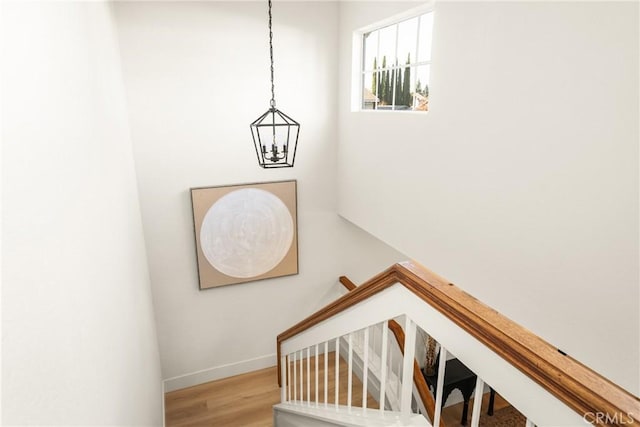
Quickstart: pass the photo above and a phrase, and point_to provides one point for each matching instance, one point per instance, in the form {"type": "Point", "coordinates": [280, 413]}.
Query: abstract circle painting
{"type": "Point", "coordinates": [246, 233]}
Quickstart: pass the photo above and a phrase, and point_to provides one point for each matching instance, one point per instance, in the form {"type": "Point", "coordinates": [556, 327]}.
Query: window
{"type": "Point", "coordinates": [396, 63]}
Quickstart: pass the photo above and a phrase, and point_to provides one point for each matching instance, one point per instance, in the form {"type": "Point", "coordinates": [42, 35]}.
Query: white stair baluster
{"type": "Point", "coordinates": [283, 379]}
{"type": "Point", "coordinates": [383, 364]}
{"type": "Point", "coordinates": [337, 384]}
{"type": "Point", "coordinates": [309, 376]}
{"type": "Point", "coordinates": [477, 403]}
{"type": "Point", "coordinates": [326, 373]}
{"type": "Point", "coordinates": [289, 377]}
{"type": "Point", "coordinates": [442, 364]}
{"type": "Point", "coordinates": [391, 368]}
{"type": "Point", "coordinates": [390, 356]}
{"type": "Point", "coordinates": [350, 371]}
{"type": "Point", "coordinates": [301, 376]}
{"type": "Point", "coordinates": [375, 336]}
{"type": "Point", "coordinates": [316, 375]}
{"type": "Point", "coordinates": [407, 369]}
{"type": "Point", "coordinates": [365, 369]}
{"type": "Point", "coordinates": [295, 376]}
{"type": "Point", "coordinates": [398, 376]}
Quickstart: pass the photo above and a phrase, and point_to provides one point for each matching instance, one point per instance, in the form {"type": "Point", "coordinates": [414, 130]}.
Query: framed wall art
{"type": "Point", "coordinates": [245, 232]}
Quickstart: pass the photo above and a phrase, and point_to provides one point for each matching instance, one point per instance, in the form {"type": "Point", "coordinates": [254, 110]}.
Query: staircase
{"type": "Point", "coordinates": [549, 387]}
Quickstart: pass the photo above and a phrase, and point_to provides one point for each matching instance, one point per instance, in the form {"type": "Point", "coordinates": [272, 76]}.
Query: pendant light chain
{"type": "Point", "coordinates": [273, 90]}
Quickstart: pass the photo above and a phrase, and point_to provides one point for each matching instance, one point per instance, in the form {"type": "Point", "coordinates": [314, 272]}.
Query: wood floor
{"type": "Point", "coordinates": [246, 400]}
{"type": "Point", "coordinates": [243, 400]}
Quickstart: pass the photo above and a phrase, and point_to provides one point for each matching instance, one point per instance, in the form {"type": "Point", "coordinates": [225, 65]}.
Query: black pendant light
{"type": "Point", "coordinates": [275, 135]}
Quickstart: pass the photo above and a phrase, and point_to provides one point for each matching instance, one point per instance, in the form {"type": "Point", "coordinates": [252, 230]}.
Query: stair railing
{"type": "Point", "coordinates": [548, 386]}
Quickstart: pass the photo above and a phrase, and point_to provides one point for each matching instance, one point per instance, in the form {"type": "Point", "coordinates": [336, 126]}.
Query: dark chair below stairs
{"type": "Point", "coordinates": [458, 376]}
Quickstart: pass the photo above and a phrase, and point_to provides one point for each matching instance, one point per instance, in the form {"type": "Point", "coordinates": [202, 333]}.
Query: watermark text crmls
{"type": "Point", "coordinates": [606, 418]}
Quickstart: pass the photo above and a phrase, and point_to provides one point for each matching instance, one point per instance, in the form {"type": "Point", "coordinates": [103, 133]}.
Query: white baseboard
{"type": "Point", "coordinates": [218, 372]}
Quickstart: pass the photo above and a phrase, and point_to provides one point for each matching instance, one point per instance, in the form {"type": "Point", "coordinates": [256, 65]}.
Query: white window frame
{"type": "Point", "coordinates": [357, 66]}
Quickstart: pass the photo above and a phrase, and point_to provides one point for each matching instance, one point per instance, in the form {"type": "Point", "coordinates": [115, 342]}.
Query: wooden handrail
{"type": "Point", "coordinates": [585, 391]}
{"type": "Point", "coordinates": [347, 283]}
{"type": "Point", "coordinates": [418, 379]}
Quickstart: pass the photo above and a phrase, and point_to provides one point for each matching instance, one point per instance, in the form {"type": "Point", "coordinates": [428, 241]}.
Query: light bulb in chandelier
{"type": "Point", "coordinates": [275, 134]}
{"type": "Point", "coordinates": [275, 155]}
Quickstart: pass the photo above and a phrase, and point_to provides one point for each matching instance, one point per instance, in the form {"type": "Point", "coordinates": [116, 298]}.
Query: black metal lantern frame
{"type": "Point", "coordinates": [275, 137]}
{"type": "Point", "coordinates": [275, 134]}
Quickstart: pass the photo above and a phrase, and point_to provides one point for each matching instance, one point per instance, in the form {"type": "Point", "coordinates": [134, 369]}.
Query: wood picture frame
{"type": "Point", "coordinates": [245, 232]}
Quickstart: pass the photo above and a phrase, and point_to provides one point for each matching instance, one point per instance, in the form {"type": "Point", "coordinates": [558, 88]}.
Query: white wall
{"type": "Point", "coordinates": [79, 343]}
{"type": "Point", "coordinates": [521, 183]}
{"type": "Point", "coordinates": [197, 74]}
